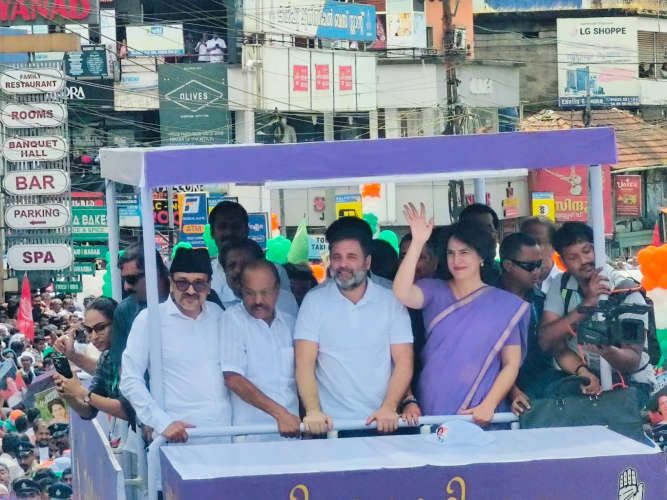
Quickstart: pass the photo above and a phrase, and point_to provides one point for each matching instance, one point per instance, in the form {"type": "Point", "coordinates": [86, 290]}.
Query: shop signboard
{"type": "Point", "coordinates": [161, 212]}
{"type": "Point", "coordinates": [90, 62]}
{"type": "Point", "coordinates": [48, 12]}
{"type": "Point", "coordinates": [84, 268]}
{"type": "Point", "coordinates": [32, 81]}
{"type": "Point", "coordinates": [598, 55]}
{"type": "Point", "coordinates": [36, 182]}
{"type": "Point", "coordinates": [317, 246]}
{"type": "Point", "coordinates": [258, 228]}
{"type": "Point", "coordinates": [68, 286]}
{"type": "Point", "coordinates": [628, 195]}
{"type": "Point", "coordinates": [98, 94]}
{"type": "Point", "coordinates": [194, 107]}
{"type": "Point", "coordinates": [155, 40]}
{"type": "Point", "coordinates": [89, 224]}
{"type": "Point", "coordinates": [348, 205]}
{"type": "Point", "coordinates": [544, 206]}
{"type": "Point", "coordinates": [89, 252]}
{"type": "Point", "coordinates": [33, 115]}
{"type": "Point", "coordinates": [35, 257]}
{"type": "Point", "coordinates": [321, 19]}
{"type": "Point", "coordinates": [42, 216]}
{"type": "Point", "coordinates": [129, 212]}
{"type": "Point", "coordinates": [194, 216]}
{"type": "Point", "coordinates": [35, 148]}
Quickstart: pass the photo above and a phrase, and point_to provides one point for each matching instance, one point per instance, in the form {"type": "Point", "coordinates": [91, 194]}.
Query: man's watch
{"type": "Point", "coordinates": [86, 400]}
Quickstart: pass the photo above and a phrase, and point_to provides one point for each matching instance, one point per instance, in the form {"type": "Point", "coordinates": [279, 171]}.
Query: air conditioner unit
{"type": "Point", "coordinates": [460, 40]}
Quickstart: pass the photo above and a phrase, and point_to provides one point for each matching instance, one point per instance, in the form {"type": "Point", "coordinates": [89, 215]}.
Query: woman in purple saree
{"type": "Point", "coordinates": [475, 333]}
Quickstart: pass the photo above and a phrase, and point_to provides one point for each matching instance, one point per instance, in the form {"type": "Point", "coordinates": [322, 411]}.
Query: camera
{"type": "Point", "coordinates": [605, 326]}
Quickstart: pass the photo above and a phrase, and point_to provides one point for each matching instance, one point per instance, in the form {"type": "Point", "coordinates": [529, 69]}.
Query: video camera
{"type": "Point", "coordinates": [605, 326]}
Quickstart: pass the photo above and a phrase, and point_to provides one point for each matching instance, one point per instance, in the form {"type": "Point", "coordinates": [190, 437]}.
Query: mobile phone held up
{"type": "Point", "coordinates": [62, 366]}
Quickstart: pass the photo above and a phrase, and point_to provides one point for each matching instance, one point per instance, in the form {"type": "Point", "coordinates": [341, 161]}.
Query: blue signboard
{"type": "Point", "coordinates": [347, 21]}
{"type": "Point", "coordinates": [194, 218]}
{"type": "Point", "coordinates": [258, 228]}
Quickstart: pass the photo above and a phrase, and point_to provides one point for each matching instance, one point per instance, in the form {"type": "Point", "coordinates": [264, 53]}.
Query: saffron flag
{"type": "Point", "coordinates": [656, 235]}
{"type": "Point", "coordinates": [24, 321]}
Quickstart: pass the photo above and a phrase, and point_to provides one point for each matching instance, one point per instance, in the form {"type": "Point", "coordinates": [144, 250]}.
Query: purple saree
{"type": "Point", "coordinates": [464, 338]}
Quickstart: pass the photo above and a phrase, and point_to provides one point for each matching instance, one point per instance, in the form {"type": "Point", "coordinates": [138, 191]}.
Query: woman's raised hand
{"type": "Point", "coordinates": [420, 227]}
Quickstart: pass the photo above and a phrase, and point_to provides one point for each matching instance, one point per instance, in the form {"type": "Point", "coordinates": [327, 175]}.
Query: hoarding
{"type": "Point", "coordinates": [194, 108]}
{"type": "Point", "coordinates": [348, 205]}
{"type": "Point", "coordinates": [91, 62]}
{"type": "Point", "coordinates": [258, 228]}
{"type": "Point", "coordinates": [308, 18]}
{"type": "Point", "coordinates": [628, 195]}
{"type": "Point", "coordinates": [48, 12]}
{"type": "Point", "coordinates": [89, 224]}
{"type": "Point", "coordinates": [155, 40]}
{"type": "Point", "coordinates": [490, 6]}
{"type": "Point", "coordinates": [406, 30]}
{"type": "Point", "coordinates": [599, 54]}
{"type": "Point", "coordinates": [194, 217]}
{"type": "Point", "coordinates": [98, 93]}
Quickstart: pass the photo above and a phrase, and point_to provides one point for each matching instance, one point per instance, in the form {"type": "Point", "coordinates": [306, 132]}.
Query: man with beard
{"type": "Point", "coordinates": [258, 354]}
{"type": "Point", "coordinates": [42, 438]}
{"type": "Point", "coordinates": [349, 334]}
{"type": "Point", "coordinates": [234, 256]}
{"type": "Point", "coordinates": [565, 308]}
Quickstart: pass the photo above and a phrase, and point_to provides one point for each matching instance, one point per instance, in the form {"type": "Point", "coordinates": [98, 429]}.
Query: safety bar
{"type": "Point", "coordinates": [339, 425]}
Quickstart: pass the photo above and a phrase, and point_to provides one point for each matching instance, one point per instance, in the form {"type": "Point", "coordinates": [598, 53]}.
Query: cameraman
{"type": "Point", "coordinates": [582, 286]}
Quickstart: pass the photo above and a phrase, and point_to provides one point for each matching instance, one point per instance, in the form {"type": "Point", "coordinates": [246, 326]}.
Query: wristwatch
{"type": "Point", "coordinates": [86, 400]}
{"type": "Point", "coordinates": [406, 402]}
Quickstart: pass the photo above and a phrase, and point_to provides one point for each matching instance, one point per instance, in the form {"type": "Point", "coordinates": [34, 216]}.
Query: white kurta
{"type": "Point", "coordinates": [262, 354]}
{"type": "Point", "coordinates": [194, 390]}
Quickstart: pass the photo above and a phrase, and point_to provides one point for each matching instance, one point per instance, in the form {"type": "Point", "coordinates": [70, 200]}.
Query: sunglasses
{"type": "Point", "coordinates": [132, 279]}
{"type": "Point", "coordinates": [98, 328]}
{"type": "Point", "coordinates": [528, 266]}
{"type": "Point", "coordinates": [184, 285]}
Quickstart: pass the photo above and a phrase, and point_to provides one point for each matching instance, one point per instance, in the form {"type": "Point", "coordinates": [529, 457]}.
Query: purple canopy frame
{"type": "Point", "coordinates": [149, 168]}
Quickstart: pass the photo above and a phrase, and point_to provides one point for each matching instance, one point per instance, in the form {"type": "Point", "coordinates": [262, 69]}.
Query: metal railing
{"type": "Point", "coordinates": [424, 425]}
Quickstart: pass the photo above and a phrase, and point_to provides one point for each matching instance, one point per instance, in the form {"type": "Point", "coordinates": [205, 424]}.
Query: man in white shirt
{"type": "Point", "coordinates": [543, 230]}
{"type": "Point", "coordinates": [194, 393]}
{"type": "Point", "coordinates": [236, 255]}
{"type": "Point", "coordinates": [200, 48]}
{"type": "Point", "coordinates": [353, 340]}
{"type": "Point", "coordinates": [216, 48]}
{"type": "Point", "coordinates": [258, 354]}
{"type": "Point", "coordinates": [229, 221]}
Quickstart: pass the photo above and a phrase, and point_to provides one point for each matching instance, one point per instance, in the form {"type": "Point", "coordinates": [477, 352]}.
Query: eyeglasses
{"type": "Point", "coordinates": [132, 279]}
{"type": "Point", "coordinates": [99, 327]}
{"type": "Point", "coordinates": [184, 285]}
{"type": "Point", "coordinates": [528, 266]}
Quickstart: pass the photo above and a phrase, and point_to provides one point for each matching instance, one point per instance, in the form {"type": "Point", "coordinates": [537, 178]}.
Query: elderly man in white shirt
{"type": "Point", "coordinates": [258, 355]}
{"type": "Point", "coordinates": [353, 340]}
{"type": "Point", "coordinates": [235, 255]}
{"type": "Point", "coordinates": [194, 393]}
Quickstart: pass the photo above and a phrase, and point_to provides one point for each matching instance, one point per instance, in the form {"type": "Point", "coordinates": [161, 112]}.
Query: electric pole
{"type": "Point", "coordinates": [449, 52]}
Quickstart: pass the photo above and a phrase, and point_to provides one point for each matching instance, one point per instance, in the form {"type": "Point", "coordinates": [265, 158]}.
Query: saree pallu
{"type": "Point", "coordinates": [464, 339]}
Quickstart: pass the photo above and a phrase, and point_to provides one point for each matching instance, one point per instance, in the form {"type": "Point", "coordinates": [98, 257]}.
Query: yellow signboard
{"type": "Point", "coordinates": [544, 205]}
{"type": "Point", "coordinates": [348, 205]}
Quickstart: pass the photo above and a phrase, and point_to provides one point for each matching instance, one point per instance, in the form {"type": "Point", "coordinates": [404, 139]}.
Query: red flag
{"type": "Point", "coordinates": [656, 235]}
{"type": "Point", "coordinates": [24, 321]}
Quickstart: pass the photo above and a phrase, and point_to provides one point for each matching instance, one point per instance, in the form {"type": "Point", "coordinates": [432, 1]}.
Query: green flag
{"type": "Point", "coordinates": [298, 252]}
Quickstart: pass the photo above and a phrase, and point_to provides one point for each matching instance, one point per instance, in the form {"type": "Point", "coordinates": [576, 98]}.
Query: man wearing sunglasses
{"type": "Point", "coordinates": [521, 264]}
{"type": "Point", "coordinates": [194, 391]}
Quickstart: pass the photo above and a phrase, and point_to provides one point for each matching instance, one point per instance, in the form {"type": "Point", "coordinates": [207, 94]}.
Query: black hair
{"type": "Point", "coordinates": [245, 244]}
{"type": "Point", "coordinates": [570, 234]}
{"type": "Point", "coordinates": [350, 228]}
{"type": "Point", "coordinates": [539, 221]}
{"type": "Point", "coordinates": [262, 264]}
{"type": "Point", "coordinates": [37, 421]}
{"type": "Point", "coordinates": [512, 245]}
{"type": "Point", "coordinates": [479, 209]}
{"type": "Point", "coordinates": [433, 244]}
{"type": "Point", "coordinates": [384, 260]}
{"type": "Point", "coordinates": [480, 241]}
{"type": "Point", "coordinates": [135, 252]}
{"type": "Point", "coordinates": [299, 272]}
{"type": "Point", "coordinates": [17, 346]}
{"type": "Point", "coordinates": [10, 443]}
{"type": "Point", "coordinates": [227, 207]}
{"type": "Point", "coordinates": [45, 483]}
{"type": "Point", "coordinates": [32, 414]}
{"type": "Point", "coordinates": [21, 424]}
{"type": "Point", "coordinates": [55, 401]}
{"type": "Point", "coordinates": [105, 305]}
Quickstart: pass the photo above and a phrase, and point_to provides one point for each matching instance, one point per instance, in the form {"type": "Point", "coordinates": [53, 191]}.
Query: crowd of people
{"type": "Point", "coordinates": [456, 323]}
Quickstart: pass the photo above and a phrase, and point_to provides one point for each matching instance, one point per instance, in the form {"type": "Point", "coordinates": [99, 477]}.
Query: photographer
{"type": "Point", "coordinates": [568, 305]}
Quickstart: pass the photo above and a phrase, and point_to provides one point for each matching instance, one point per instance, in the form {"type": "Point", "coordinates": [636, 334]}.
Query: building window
{"type": "Point", "coordinates": [429, 37]}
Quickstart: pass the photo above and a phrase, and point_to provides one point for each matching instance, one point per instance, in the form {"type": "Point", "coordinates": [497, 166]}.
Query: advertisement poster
{"type": "Point", "coordinates": [322, 77]}
{"type": "Point", "coordinates": [194, 109]}
{"type": "Point", "coordinates": [600, 53]}
{"type": "Point", "coordinates": [345, 77]}
{"type": "Point", "coordinates": [544, 206]}
{"type": "Point", "coordinates": [194, 217]}
{"type": "Point", "coordinates": [90, 224]}
{"type": "Point", "coordinates": [300, 78]}
{"type": "Point", "coordinates": [628, 195]}
{"type": "Point", "coordinates": [156, 40]}
{"type": "Point", "coordinates": [348, 205]}
{"type": "Point", "coordinates": [258, 228]}
{"type": "Point", "coordinates": [569, 186]}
